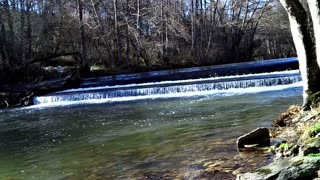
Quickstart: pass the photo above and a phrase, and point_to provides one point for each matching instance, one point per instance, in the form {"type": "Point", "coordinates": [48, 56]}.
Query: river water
{"type": "Point", "coordinates": [125, 138]}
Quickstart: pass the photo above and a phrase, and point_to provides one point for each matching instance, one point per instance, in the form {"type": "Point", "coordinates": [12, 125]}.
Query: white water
{"type": "Point", "coordinates": [293, 72]}
{"type": "Point", "coordinates": [227, 92]}
{"type": "Point", "coordinates": [196, 87]}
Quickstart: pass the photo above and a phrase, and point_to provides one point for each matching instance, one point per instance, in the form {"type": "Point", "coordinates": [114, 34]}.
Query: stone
{"type": "Point", "coordinates": [295, 150]}
{"type": "Point", "coordinates": [312, 148]}
{"type": "Point", "coordinates": [279, 154]}
{"type": "Point", "coordinates": [259, 137]}
{"type": "Point", "coordinates": [287, 153]}
{"type": "Point", "coordinates": [193, 174]}
{"type": "Point", "coordinates": [288, 168]}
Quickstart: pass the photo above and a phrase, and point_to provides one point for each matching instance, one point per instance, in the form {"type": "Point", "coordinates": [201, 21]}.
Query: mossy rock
{"type": "Point", "coordinates": [311, 147]}
{"type": "Point", "coordinates": [298, 162]}
{"type": "Point", "coordinates": [314, 130]}
{"type": "Point", "coordinates": [264, 171]}
{"type": "Point", "coordinates": [294, 149]}
{"type": "Point", "coordinates": [313, 98]}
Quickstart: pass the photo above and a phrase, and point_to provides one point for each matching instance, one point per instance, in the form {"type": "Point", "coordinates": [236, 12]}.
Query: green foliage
{"type": "Point", "coordinates": [314, 130]}
{"type": "Point", "coordinates": [314, 155]}
{"type": "Point", "coordinates": [284, 146]}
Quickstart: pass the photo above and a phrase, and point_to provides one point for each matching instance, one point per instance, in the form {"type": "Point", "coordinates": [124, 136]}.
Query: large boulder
{"type": "Point", "coordinates": [259, 137]}
{"type": "Point", "coordinates": [289, 168]}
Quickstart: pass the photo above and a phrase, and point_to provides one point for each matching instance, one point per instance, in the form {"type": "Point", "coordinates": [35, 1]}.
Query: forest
{"type": "Point", "coordinates": [123, 36]}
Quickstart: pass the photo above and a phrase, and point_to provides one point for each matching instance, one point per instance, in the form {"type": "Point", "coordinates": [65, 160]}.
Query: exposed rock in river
{"type": "Point", "coordinates": [259, 137]}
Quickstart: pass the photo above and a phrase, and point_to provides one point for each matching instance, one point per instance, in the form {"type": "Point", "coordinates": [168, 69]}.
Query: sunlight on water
{"type": "Point", "coordinates": [122, 132]}
{"type": "Point", "coordinates": [124, 139]}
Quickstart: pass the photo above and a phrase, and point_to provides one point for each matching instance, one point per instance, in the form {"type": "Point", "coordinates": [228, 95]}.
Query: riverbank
{"type": "Point", "coordinates": [298, 156]}
{"type": "Point", "coordinates": [21, 94]}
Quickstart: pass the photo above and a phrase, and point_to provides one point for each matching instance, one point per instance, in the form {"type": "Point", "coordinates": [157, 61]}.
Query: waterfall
{"type": "Point", "coordinates": [173, 87]}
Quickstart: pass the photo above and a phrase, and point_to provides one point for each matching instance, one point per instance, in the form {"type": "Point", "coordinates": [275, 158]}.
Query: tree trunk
{"type": "Point", "coordinates": [192, 27]}
{"type": "Point", "coordinates": [314, 6]}
{"type": "Point", "coordinates": [3, 39]}
{"type": "Point", "coordinates": [10, 42]}
{"type": "Point", "coordinates": [82, 33]}
{"type": "Point", "coordinates": [116, 30]}
{"type": "Point", "coordinates": [127, 31]}
{"type": "Point", "coordinates": [303, 36]}
{"type": "Point", "coordinates": [138, 31]}
{"type": "Point", "coordinates": [29, 32]}
{"type": "Point", "coordinates": [22, 38]}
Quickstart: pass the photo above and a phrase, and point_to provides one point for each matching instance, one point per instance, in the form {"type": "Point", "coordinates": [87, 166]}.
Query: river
{"type": "Point", "coordinates": [128, 136]}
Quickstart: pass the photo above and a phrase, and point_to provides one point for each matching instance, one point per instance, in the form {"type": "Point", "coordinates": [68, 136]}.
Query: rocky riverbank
{"type": "Point", "coordinates": [298, 156]}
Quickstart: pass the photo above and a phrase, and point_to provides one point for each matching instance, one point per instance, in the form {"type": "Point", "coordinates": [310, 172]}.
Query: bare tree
{"type": "Point", "coordinates": [305, 24]}
{"type": "Point", "coordinates": [150, 34]}
{"type": "Point", "coordinates": [82, 32]}
{"type": "Point", "coordinates": [11, 40]}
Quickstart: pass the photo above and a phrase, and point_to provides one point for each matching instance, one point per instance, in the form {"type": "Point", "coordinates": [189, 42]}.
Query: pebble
{"type": "Point", "coordinates": [279, 154]}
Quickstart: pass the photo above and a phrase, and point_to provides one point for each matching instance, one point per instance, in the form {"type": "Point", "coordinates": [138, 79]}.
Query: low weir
{"type": "Point", "coordinates": [253, 67]}
{"type": "Point", "coordinates": [216, 84]}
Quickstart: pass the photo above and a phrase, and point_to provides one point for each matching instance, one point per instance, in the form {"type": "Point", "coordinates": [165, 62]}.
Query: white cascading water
{"type": "Point", "coordinates": [172, 88]}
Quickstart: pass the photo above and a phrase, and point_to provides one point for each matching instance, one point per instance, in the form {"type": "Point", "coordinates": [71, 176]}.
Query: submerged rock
{"type": "Point", "coordinates": [259, 137]}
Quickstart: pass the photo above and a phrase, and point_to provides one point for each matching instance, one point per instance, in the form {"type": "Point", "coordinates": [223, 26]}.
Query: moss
{"type": "Point", "coordinates": [314, 130]}
{"type": "Point", "coordinates": [264, 148]}
{"type": "Point", "coordinates": [314, 155]}
{"type": "Point", "coordinates": [284, 146]}
{"type": "Point", "coordinates": [313, 98]}
{"type": "Point", "coordinates": [263, 171]}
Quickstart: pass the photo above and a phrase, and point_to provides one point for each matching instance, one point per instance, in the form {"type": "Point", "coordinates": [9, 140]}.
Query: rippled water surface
{"type": "Point", "coordinates": [124, 139]}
